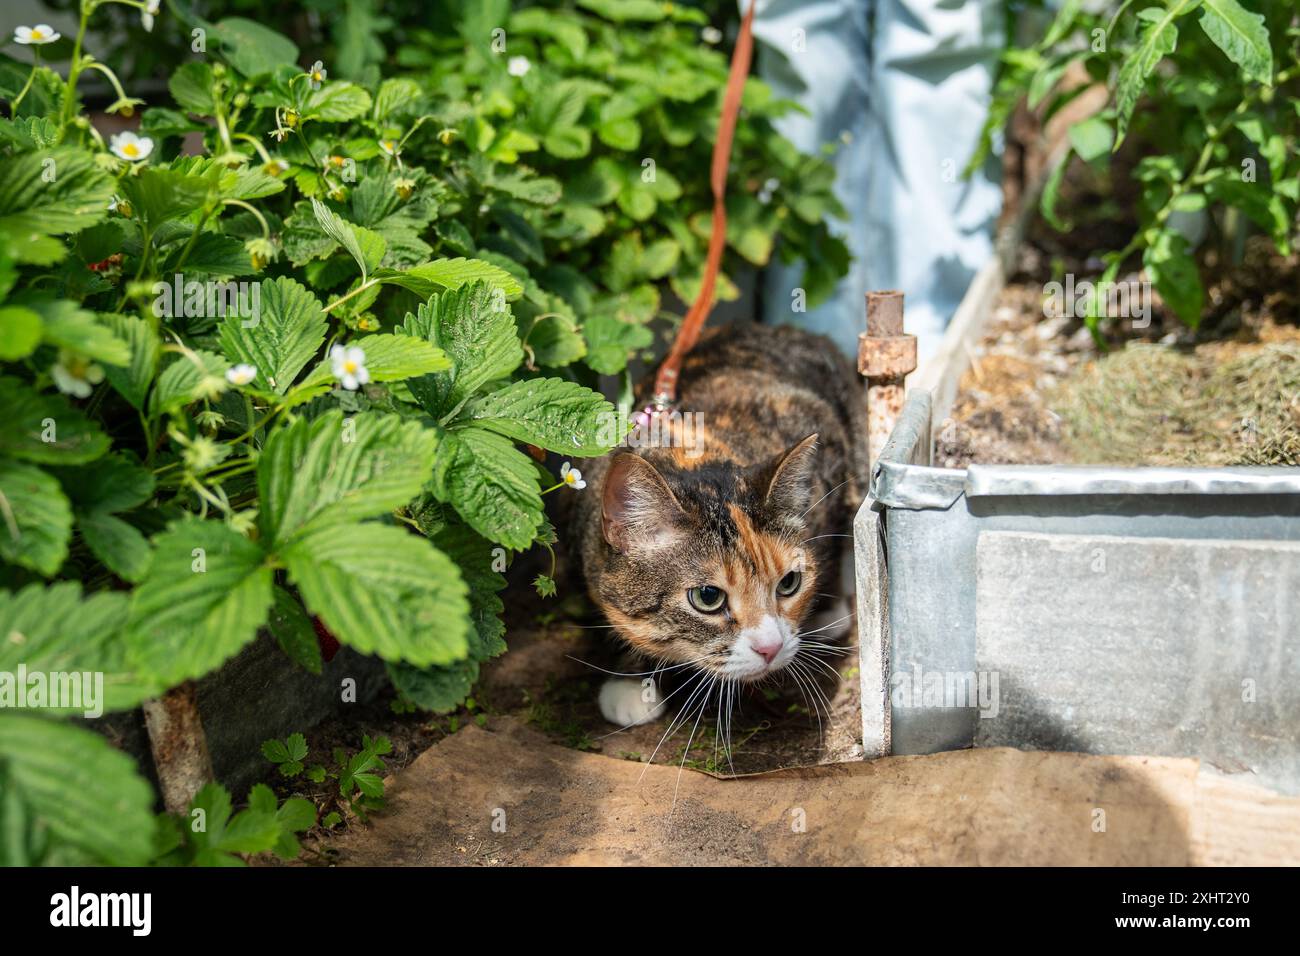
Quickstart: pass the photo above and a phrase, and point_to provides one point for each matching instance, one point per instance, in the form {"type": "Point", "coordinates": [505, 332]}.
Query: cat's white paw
{"type": "Point", "coordinates": [627, 702]}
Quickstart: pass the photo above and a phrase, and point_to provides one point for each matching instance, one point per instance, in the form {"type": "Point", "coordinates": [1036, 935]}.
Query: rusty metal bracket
{"type": "Point", "coordinates": [886, 354]}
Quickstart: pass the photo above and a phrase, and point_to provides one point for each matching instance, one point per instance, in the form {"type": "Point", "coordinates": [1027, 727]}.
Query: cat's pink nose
{"type": "Point", "coordinates": [766, 648]}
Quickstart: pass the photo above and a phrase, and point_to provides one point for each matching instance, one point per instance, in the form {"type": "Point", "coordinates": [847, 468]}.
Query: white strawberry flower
{"type": "Point", "coordinates": [572, 477]}
{"type": "Point", "coordinates": [38, 35]}
{"type": "Point", "coordinates": [711, 35]}
{"type": "Point", "coordinates": [389, 146]}
{"type": "Point", "coordinates": [349, 366]}
{"type": "Point", "coordinates": [317, 74]}
{"type": "Point", "coordinates": [518, 66]}
{"type": "Point", "coordinates": [241, 374]}
{"type": "Point", "coordinates": [150, 11]}
{"type": "Point", "coordinates": [75, 376]}
{"type": "Point", "coordinates": [127, 145]}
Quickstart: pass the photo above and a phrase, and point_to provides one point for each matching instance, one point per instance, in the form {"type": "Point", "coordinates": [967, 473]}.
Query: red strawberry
{"type": "Point", "coordinates": [110, 263]}
{"type": "Point", "coordinates": [329, 644]}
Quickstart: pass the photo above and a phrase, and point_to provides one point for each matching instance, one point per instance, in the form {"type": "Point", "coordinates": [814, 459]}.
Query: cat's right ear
{"type": "Point", "coordinates": [638, 509]}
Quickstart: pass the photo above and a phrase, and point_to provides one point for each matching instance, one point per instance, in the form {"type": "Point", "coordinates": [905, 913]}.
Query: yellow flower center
{"type": "Point", "coordinates": [131, 150]}
{"type": "Point", "coordinates": [38, 34]}
{"type": "Point", "coordinates": [316, 77]}
{"type": "Point", "coordinates": [350, 367]}
{"type": "Point", "coordinates": [570, 478]}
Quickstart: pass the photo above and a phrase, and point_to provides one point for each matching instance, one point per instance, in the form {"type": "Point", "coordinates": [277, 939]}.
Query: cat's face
{"type": "Point", "coordinates": [713, 569]}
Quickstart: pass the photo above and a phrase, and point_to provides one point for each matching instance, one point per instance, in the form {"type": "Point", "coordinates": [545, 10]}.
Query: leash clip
{"type": "Point", "coordinates": [661, 404]}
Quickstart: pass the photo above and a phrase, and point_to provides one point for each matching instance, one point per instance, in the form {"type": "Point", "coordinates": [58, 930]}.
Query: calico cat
{"type": "Point", "coordinates": [716, 561]}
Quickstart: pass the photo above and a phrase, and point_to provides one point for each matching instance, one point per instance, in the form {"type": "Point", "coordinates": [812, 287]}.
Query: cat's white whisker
{"type": "Point", "coordinates": [824, 497]}
{"type": "Point", "coordinates": [824, 666]}
{"type": "Point", "coordinates": [817, 686]}
{"type": "Point", "coordinates": [794, 674]}
{"type": "Point", "coordinates": [814, 647]}
{"type": "Point", "coordinates": [731, 703]}
{"type": "Point", "coordinates": [821, 693]}
{"type": "Point", "coordinates": [820, 536]}
{"type": "Point", "coordinates": [657, 670]}
{"type": "Point", "coordinates": [802, 678]}
{"type": "Point", "coordinates": [686, 752]}
{"type": "Point", "coordinates": [718, 721]}
{"type": "Point", "coordinates": [824, 627]}
{"type": "Point", "coordinates": [672, 726]}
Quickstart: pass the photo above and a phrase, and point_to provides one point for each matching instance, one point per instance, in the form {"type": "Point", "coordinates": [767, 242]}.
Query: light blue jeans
{"type": "Point", "coordinates": [902, 88]}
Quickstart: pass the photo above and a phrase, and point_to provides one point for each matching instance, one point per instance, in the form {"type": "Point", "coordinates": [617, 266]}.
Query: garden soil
{"type": "Point", "coordinates": [548, 682]}
{"type": "Point", "coordinates": [503, 794]}
{"type": "Point", "coordinates": [1040, 390]}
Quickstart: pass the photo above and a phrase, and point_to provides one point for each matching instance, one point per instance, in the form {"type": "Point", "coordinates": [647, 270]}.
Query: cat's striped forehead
{"type": "Point", "coordinates": [757, 552]}
{"type": "Point", "coordinates": [751, 567]}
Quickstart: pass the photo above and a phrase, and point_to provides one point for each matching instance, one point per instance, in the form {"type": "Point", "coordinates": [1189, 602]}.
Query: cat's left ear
{"type": "Point", "coordinates": [789, 491]}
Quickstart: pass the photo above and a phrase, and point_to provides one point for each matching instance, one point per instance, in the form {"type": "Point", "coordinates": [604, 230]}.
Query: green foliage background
{"type": "Point", "coordinates": [1210, 92]}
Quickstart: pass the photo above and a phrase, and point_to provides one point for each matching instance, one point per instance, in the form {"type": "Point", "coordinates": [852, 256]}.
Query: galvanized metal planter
{"type": "Point", "coordinates": [1104, 610]}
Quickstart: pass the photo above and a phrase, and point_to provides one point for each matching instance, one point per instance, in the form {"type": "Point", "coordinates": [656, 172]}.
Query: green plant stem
{"type": "Point", "coordinates": [1194, 177]}
{"type": "Point", "coordinates": [146, 236]}
{"type": "Point", "coordinates": [193, 240]}
{"type": "Point", "coordinates": [355, 292]}
{"type": "Point", "coordinates": [148, 433]}
{"type": "Point", "coordinates": [261, 220]}
{"type": "Point", "coordinates": [36, 65]}
{"type": "Point", "coordinates": [254, 428]}
{"type": "Point", "coordinates": [236, 467]}
{"type": "Point", "coordinates": [74, 68]}
{"type": "Point", "coordinates": [112, 77]}
{"type": "Point", "coordinates": [307, 146]}
{"type": "Point", "coordinates": [222, 129]}
{"type": "Point", "coordinates": [261, 150]}
{"type": "Point", "coordinates": [1110, 28]}
{"type": "Point", "coordinates": [207, 496]}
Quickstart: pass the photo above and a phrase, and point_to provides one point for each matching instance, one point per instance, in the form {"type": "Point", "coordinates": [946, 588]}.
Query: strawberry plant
{"type": "Point", "coordinates": [248, 391]}
{"type": "Point", "coordinates": [359, 776]}
{"type": "Point", "coordinates": [619, 101]}
{"type": "Point", "coordinates": [212, 834]}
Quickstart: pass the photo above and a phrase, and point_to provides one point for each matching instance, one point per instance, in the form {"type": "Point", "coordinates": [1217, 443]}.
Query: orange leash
{"type": "Point", "coordinates": [666, 380]}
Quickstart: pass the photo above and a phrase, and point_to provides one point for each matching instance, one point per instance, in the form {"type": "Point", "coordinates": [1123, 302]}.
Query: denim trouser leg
{"type": "Point", "coordinates": [903, 85]}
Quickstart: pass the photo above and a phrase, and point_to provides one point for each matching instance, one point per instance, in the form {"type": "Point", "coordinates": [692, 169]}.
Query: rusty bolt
{"type": "Point", "coordinates": [885, 355]}
{"type": "Point", "coordinates": [885, 351]}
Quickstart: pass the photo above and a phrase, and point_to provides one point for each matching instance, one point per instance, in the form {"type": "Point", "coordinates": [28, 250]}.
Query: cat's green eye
{"type": "Point", "coordinates": [707, 599]}
{"type": "Point", "coordinates": [789, 584]}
